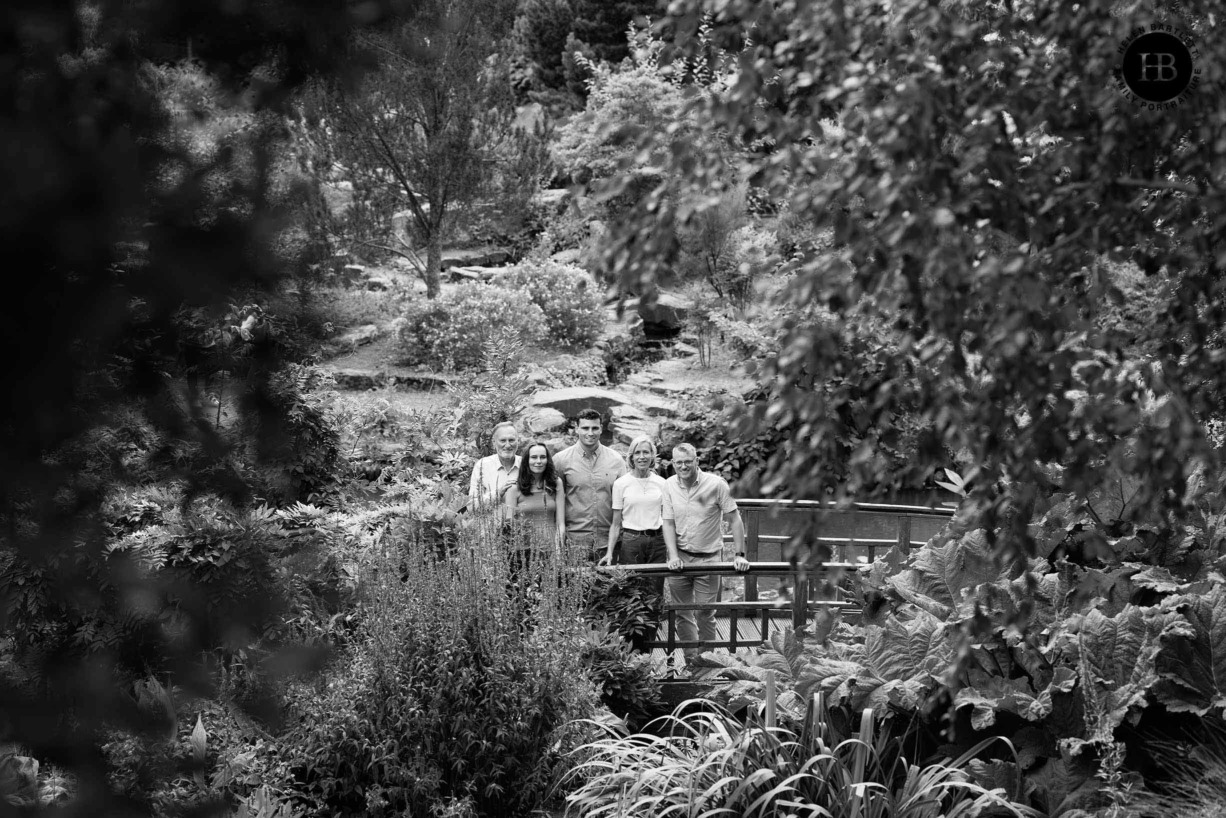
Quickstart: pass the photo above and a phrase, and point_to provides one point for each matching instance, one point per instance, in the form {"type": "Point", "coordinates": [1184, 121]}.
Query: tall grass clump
{"type": "Point", "coordinates": [706, 763]}
{"type": "Point", "coordinates": [1193, 780]}
{"type": "Point", "coordinates": [463, 692]}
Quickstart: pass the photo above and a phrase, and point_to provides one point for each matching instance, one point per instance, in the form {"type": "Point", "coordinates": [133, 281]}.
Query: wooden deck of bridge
{"type": "Point", "coordinates": [749, 632]}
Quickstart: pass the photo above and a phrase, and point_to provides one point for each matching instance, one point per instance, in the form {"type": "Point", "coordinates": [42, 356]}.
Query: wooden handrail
{"type": "Point", "coordinates": [728, 569]}
{"type": "Point", "coordinates": [833, 506]}
{"type": "Point", "coordinates": [799, 607]}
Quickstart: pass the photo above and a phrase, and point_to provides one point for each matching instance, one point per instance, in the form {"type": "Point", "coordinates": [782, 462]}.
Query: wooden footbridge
{"type": "Point", "coordinates": [853, 536]}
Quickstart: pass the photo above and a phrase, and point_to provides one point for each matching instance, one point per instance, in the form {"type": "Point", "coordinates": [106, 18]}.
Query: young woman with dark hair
{"type": "Point", "coordinates": [536, 498]}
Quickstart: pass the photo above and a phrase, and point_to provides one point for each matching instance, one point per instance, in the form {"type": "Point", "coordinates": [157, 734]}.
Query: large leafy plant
{"type": "Point", "coordinates": [1064, 657]}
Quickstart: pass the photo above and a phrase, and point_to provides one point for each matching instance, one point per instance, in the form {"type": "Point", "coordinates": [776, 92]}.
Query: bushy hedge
{"type": "Point", "coordinates": [449, 331]}
{"type": "Point", "coordinates": [565, 294]}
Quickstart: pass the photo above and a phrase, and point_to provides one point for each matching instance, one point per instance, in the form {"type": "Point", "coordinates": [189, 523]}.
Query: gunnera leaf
{"type": "Point", "coordinates": [1118, 665]}
{"type": "Point", "coordinates": [989, 695]}
{"type": "Point", "coordinates": [1192, 665]}
{"type": "Point", "coordinates": [943, 575]}
{"type": "Point", "coordinates": [908, 649]}
{"type": "Point", "coordinates": [1156, 578]}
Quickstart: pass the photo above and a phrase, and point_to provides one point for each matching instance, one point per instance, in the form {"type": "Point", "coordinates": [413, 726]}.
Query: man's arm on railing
{"type": "Point", "coordinates": [670, 544]}
{"type": "Point", "coordinates": [733, 518]}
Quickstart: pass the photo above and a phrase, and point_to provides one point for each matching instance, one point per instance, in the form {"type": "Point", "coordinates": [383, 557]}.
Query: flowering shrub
{"type": "Point", "coordinates": [565, 294]}
{"type": "Point", "coordinates": [449, 331]}
{"type": "Point", "coordinates": [464, 690]}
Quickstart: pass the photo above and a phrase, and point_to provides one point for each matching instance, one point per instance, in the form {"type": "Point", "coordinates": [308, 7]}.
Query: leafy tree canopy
{"type": "Point", "coordinates": [985, 193]}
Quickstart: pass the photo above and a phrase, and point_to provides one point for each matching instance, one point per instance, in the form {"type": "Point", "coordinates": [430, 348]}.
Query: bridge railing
{"type": "Point", "coordinates": [856, 535]}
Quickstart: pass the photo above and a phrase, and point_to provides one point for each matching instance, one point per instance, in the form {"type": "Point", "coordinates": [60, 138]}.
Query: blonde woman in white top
{"type": "Point", "coordinates": [640, 500]}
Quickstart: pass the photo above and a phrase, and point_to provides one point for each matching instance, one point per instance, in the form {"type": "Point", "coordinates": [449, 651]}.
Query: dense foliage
{"type": "Point", "coordinates": [150, 208]}
{"type": "Point", "coordinates": [1098, 648]}
{"type": "Point", "coordinates": [463, 681]}
{"type": "Point", "coordinates": [972, 184]}
{"type": "Point", "coordinates": [450, 332]}
{"type": "Point", "coordinates": [937, 235]}
{"type": "Point", "coordinates": [549, 33]}
{"type": "Point", "coordinates": [569, 298]}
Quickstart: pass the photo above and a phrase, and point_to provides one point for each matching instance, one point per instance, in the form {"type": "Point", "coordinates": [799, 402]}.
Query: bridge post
{"type": "Point", "coordinates": [800, 602]}
{"type": "Point", "coordinates": [904, 533]}
{"type": "Point", "coordinates": [752, 527]}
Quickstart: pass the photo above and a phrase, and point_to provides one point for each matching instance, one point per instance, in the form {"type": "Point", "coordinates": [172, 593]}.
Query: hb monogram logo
{"type": "Point", "coordinates": [1157, 67]}
{"type": "Point", "coordinates": [1162, 65]}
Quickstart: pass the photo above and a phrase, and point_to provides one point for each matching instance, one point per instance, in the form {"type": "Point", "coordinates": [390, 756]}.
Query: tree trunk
{"type": "Point", "coordinates": [434, 264]}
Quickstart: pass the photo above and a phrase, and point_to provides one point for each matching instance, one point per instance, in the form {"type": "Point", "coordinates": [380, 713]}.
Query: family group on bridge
{"type": "Point", "coordinates": [586, 497]}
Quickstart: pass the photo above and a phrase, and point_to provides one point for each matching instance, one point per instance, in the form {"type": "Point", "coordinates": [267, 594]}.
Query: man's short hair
{"type": "Point", "coordinates": [497, 426]}
{"type": "Point", "coordinates": [685, 448]}
{"type": "Point", "coordinates": [589, 414]}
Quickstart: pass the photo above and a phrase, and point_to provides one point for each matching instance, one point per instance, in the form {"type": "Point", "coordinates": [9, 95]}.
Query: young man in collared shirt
{"type": "Point", "coordinates": [589, 469]}
{"type": "Point", "coordinates": [494, 473]}
{"type": "Point", "coordinates": [699, 502]}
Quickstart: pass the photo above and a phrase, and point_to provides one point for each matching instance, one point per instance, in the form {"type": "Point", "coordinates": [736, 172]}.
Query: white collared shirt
{"type": "Point", "coordinates": [489, 479]}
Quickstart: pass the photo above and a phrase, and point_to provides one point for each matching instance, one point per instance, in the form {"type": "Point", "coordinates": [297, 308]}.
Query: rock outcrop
{"type": "Point", "coordinates": [358, 337]}
{"type": "Point", "coordinates": [476, 257]}
{"type": "Point", "coordinates": [474, 273]}
{"type": "Point", "coordinates": [664, 317]}
{"type": "Point", "coordinates": [543, 421]}
{"type": "Point", "coordinates": [628, 415]}
{"type": "Point", "coordinates": [571, 400]}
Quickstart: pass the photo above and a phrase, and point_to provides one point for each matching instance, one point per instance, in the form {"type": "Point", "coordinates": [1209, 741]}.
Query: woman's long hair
{"type": "Point", "coordinates": [525, 481]}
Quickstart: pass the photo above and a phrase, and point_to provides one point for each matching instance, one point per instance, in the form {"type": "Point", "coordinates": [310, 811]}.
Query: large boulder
{"type": "Point", "coordinates": [358, 336]}
{"type": "Point", "coordinates": [628, 422]}
{"type": "Point", "coordinates": [652, 403]}
{"type": "Point", "coordinates": [475, 257]}
{"type": "Point", "coordinates": [543, 421]}
{"type": "Point", "coordinates": [571, 400]}
{"type": "Point", "coordinates": [664, 316]}
{"type": "Point", "coordinates": [628, 415]}
{"type": "Point", "coordinates": [474, 273]}
{"type": "Point", "coordinates": [551, 200]}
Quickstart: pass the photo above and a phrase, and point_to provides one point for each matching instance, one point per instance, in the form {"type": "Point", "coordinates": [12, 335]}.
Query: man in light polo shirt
{"type": "Point", "coordinates": [699, 502]}
{"type": "Point", "coordinates": [494, 473]}
{"type": "Point", "coordinates": [589, 469]}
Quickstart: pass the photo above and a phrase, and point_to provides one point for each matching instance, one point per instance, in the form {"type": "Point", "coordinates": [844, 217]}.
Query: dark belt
{"type": "Point", "coordinates": [699, 553]}
{"type": "Point", "coordinates": [651, 532]}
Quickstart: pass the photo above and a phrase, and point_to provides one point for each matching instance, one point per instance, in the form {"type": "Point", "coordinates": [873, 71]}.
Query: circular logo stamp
{"type": "Point", "coordinates": [1157, 67]}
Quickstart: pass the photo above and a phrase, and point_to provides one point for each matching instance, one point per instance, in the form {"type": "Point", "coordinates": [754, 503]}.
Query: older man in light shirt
{"type": "Point", "coordinates": [494, 473]}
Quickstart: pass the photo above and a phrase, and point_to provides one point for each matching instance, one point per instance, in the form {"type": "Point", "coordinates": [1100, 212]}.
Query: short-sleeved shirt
{"type": "Point", "coordinates": [589, 488]}
{"type": "Point", "coordinates": [489, 479]}
{"type": "Point", "coordinates": [698, 512]}
{"type": "Point", "coordinates": [642, 501]}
